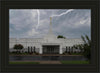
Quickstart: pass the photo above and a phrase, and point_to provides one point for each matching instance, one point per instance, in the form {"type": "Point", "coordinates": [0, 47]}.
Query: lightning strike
{"type": "Point", "coordinates": [70, 10]}
{"type": "Point", "coordinates": [84, 21]}
{"type": "Point", "coordinates": [38, 12]}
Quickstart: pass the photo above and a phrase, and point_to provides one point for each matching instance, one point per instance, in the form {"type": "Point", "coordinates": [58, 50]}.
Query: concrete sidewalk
{"type": "Point", "coordinates": [50, 62]}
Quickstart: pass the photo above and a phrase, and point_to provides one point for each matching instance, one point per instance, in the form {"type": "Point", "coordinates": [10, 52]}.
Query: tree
{"type": "Point", "coordinates": [18, 47]}
{"type": "Point", "coordinates": [85, 47]}
{"type": "Point", "coordinates": [60, 36]}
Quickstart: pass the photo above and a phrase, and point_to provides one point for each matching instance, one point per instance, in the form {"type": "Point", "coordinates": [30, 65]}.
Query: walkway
{"type": "Point", "coordinates": [49, 62]}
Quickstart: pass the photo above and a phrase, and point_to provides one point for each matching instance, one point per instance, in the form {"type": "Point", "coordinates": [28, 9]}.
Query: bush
{"type": "Point", "coordinates": [18, 47]}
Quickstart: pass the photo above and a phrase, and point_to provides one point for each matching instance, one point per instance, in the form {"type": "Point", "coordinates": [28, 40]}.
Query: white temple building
{"type": "Point", "coordinates": [49, 44]}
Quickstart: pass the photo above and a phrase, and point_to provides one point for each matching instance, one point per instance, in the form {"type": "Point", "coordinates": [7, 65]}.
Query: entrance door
{"type": "Point", "coordinates": [50, 49]}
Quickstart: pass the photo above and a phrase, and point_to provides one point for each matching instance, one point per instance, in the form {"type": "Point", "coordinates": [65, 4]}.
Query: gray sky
{"type": "Point", "coordinates": [34, 23]}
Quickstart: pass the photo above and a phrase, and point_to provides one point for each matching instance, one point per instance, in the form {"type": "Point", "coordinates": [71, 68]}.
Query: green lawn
{"type": "Point", "coordinates": [23, 62]}
{"type": "Point", "coordinates": [74, 62]}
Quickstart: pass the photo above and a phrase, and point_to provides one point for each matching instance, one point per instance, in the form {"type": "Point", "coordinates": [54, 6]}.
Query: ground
{"type": "Point", "coordinates": [49, 62]}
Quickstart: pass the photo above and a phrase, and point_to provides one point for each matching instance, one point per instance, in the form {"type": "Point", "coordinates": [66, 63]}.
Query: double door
{"type": "Point", "coordinates": [50, 49]}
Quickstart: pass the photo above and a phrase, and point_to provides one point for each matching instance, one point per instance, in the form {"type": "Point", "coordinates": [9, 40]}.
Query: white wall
{"type": "Point", "coordinates": [38, 41]}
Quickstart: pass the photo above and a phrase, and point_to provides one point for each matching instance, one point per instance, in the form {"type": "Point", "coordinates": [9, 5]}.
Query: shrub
{"type": "Point", "coordinates": [18, 47]}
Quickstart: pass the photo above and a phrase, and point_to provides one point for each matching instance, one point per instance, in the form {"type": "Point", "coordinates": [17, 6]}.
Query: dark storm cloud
{"type": "Point", "coordinates": [23, 22]}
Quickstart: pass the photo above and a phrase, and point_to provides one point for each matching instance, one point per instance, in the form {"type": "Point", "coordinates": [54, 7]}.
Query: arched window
{"type": "Point", "coordinates": [31, 47]}
{"type": "Point", "coordinates": [34, 48]}
{"type": "Point", "coordinates": [28, 47]}
{"type": "Point", "coordinates": [66, 48]}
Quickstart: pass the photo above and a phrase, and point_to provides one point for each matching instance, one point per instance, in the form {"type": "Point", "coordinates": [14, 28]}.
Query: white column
{"type": "Point", "coordinates": [40, 50]}
{"type": "Point", "coordinates": [60, 50]}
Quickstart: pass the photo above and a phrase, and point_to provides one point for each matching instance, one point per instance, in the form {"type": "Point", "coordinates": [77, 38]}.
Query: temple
{"type": "Point", "coordinates": [49, 44]}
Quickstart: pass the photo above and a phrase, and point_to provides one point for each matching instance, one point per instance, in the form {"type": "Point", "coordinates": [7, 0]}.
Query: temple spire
{"type": "Point", "coordinates": [50, 29]}
{"type": "Point", "coordinates": [50, 34]}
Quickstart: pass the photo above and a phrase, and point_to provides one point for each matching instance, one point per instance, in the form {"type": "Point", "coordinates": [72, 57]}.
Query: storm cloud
{"type": "Point", "coordinates": [23, 23]}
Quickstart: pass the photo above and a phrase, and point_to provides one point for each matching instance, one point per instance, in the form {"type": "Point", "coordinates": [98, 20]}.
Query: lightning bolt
{"type": "Point", "coordinates": [38, 12]}
{"type": "Point", "coordinates": [70, 10]}
{"type": "Point", "coordinates": [83, 21]}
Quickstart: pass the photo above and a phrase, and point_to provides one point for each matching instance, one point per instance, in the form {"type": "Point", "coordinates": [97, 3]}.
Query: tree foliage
{"type": "Point", "coordinates": [60, 36]}
{"type": "Point", "coordinates": [18, 47]}
{"type": "Point", "coordinates": [85, 48]}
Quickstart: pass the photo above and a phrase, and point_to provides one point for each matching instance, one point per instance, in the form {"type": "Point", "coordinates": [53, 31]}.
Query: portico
{"type": "Point", "coordinates": [50, 49]}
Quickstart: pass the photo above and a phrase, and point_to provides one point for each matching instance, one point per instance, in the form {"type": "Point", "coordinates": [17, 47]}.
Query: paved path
{"type": "Point", "coordinates": [50, 62]}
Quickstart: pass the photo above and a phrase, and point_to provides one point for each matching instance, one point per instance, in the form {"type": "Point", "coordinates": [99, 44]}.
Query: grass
{"type": "Point", "coordinates": [23, 62]}
{"type": "Point", "coordinates": [74, 62]}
